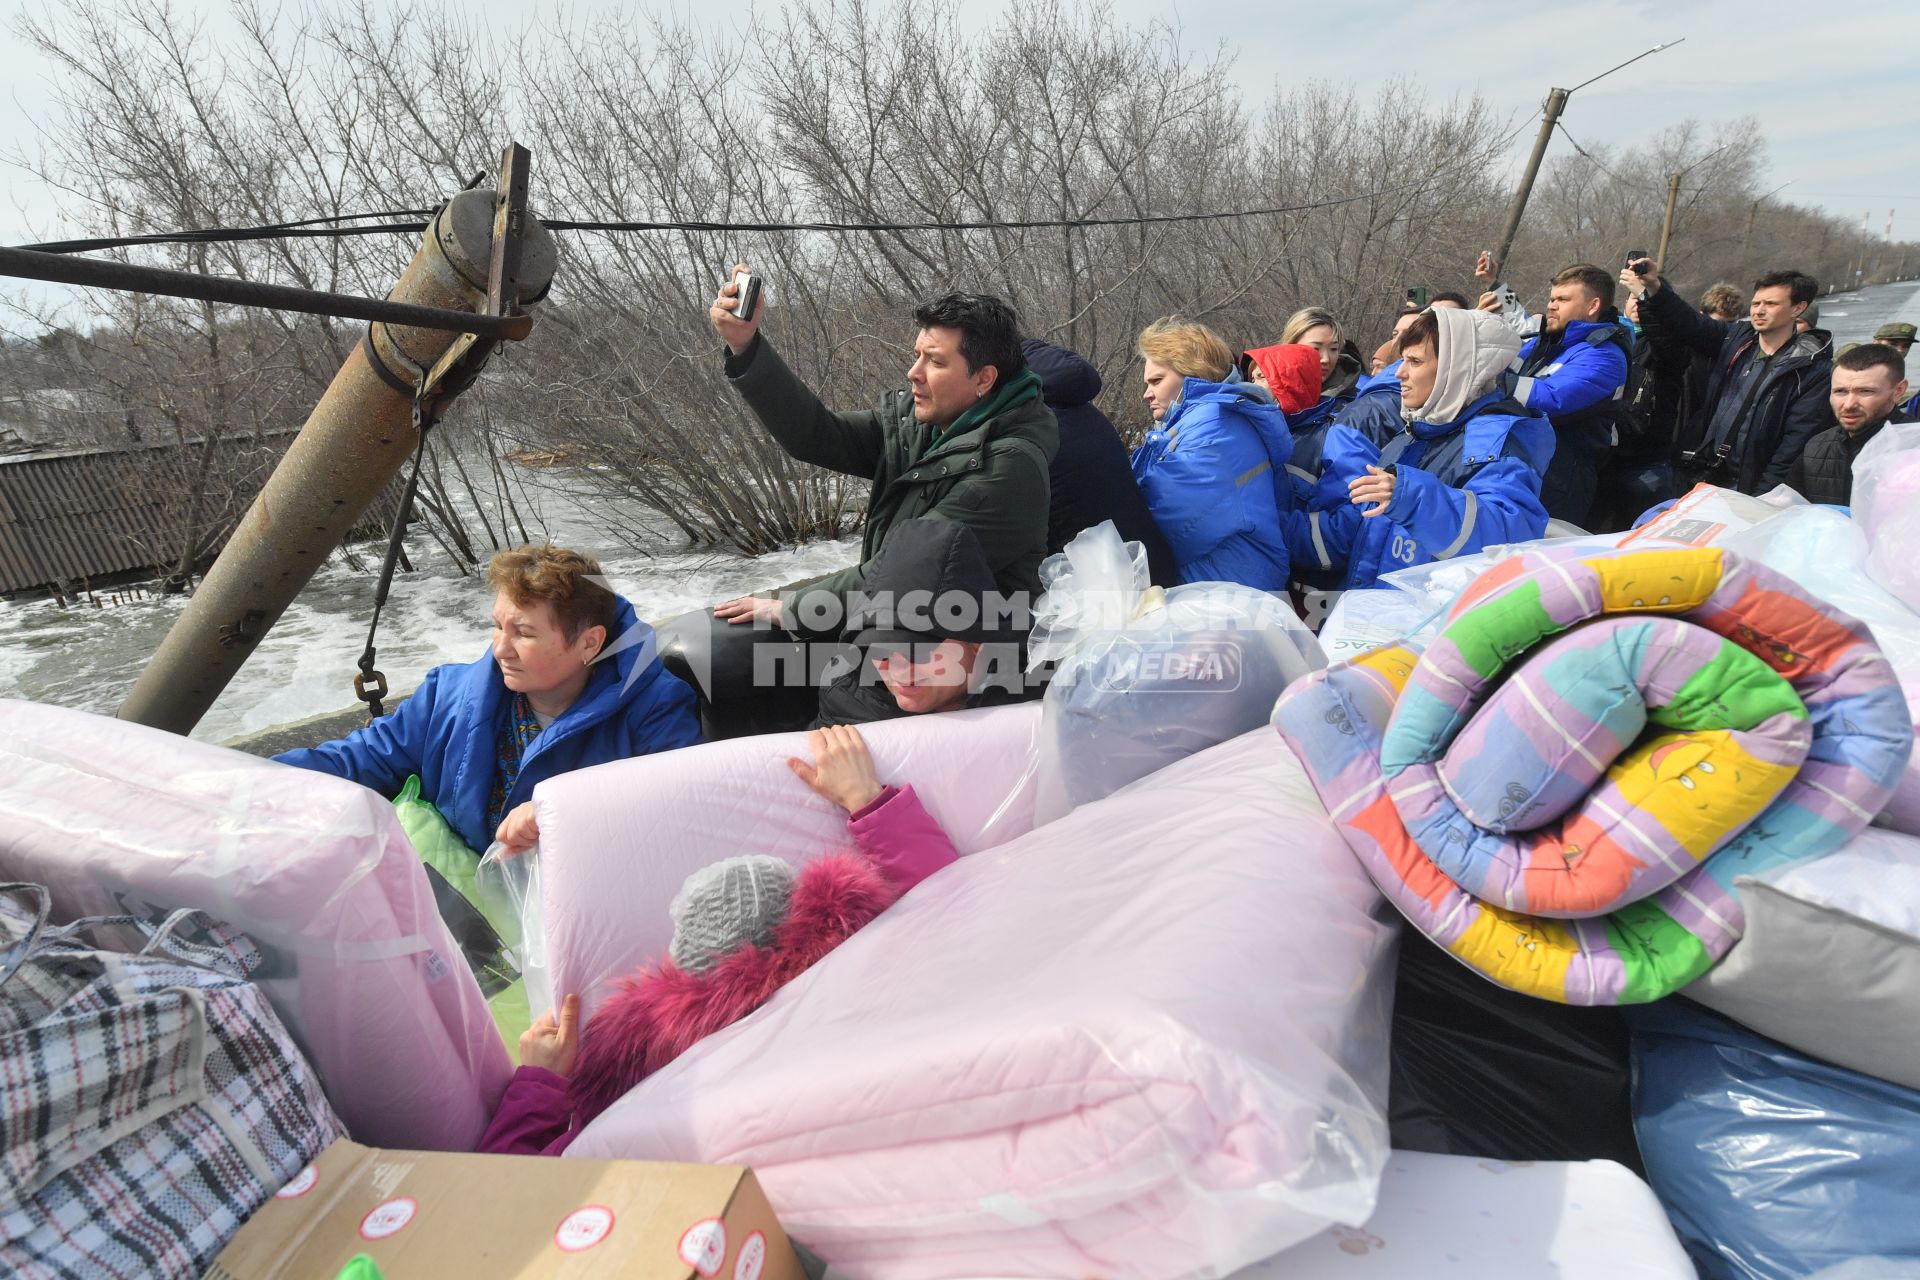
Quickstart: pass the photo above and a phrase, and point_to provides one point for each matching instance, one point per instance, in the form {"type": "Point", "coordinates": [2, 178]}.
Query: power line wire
{"type": "Point", "coordinates": [308, 229]}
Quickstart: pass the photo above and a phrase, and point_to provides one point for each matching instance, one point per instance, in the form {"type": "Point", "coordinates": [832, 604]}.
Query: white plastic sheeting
{"type": "Point", "coordinates": [1148, 1039]}
{"type": "Point", "coordinates": [118, 818]}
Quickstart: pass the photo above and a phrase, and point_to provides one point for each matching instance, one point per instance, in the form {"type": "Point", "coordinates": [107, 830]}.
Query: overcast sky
{"type": "Point", "coordinates": [1839, 99]}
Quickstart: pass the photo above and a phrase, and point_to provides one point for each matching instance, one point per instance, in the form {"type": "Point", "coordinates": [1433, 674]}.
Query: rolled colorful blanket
{"type": "Point", "coordinates": [1561, 788]}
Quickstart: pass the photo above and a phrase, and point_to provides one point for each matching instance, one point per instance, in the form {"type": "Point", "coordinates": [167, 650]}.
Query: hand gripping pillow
{"type": "Point", "coordinates": [1146, 1040]}
{"type": "Point", "coordinates": [618, 840]}
{"type": "Point", "coordinates": [1561, 788]}
{"type": "Point", "coordinates": [119, 818]}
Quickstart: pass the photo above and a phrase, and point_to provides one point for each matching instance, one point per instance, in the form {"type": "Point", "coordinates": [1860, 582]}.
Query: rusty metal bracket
{"type": "Point", "coordinates": [464, 358]}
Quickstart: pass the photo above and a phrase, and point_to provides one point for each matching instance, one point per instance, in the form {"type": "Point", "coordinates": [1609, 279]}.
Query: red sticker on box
{"type": "Point", "coordinates": [584, 1228]}
{"type": "Point", "coordinates": [753, 1258]}
{"type": "Point", "coordinates": [303, 1182]}
{"type": "Point", "coordinates": [704, 1246]}
{"type": "Point", "coordinates": [387, 1219]}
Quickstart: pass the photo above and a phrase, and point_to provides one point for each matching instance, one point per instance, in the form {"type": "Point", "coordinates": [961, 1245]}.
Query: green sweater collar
{"type": "Point", "coordinates": [1015, 393]}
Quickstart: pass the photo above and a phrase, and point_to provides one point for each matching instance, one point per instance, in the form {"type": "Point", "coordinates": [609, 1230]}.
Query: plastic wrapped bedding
{"type": "Point", "coordinates": [618, 840]}
{"type": "Point", "coordinates": [1143, 677]}
{"type": "Point", "coordinates": [1886, 502]}
{"type": "Point", "coordinates": [1561, 788]}
{"type": "Point", "coordinates": [119, 818]}
{"type": "Point", "coordinates": [1773, 1165]}
{"type": "Point", "coordinates": [1145, 1040]}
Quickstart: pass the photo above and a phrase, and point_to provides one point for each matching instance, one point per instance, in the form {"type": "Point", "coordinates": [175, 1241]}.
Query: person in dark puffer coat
{"type": "Point", "coordinates": [1869, 382]}
{"type": "Point", "coordinates": [1091, 477]}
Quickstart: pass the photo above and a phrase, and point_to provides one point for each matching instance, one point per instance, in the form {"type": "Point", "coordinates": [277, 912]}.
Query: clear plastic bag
{"type": "Point", "coordinates": [1145, 677]}
{"type": "Point", "coordinates": [1773, 1166]}
{"type": "Point", "coordinates": [1886, 503]}
{"type": "Point", "coordinates": [509, 886]}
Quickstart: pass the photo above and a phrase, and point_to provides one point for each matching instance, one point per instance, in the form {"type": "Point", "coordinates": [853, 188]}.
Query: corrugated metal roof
{"type": "Point", "coordinates": [74, 516]}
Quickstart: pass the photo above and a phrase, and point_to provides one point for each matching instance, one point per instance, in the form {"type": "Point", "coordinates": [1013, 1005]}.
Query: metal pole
{"type": "Point", "coordinates": [1666, 224]}
{"type": "Point", "coordinates": [358, 437]}
{"type": "Point", "coordinates": [1556, 103]}
{"type": "Point", "coordinates": [104, 273]}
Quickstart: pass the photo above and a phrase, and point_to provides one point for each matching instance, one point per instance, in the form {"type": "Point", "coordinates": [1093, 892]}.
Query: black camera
{"type": "Point", "coordinates": [1637, 262]}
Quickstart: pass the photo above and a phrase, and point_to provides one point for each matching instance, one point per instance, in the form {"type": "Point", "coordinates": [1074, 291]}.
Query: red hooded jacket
{"type": "Point", "coordinates": [1293, 375]}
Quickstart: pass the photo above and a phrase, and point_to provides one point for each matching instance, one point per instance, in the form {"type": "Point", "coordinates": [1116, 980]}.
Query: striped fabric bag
{"type": "Point", "coordinates": [149, 1102]}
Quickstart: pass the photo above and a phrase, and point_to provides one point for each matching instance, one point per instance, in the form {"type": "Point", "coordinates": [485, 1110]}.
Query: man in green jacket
{"type": "Point", "coordinates": [969, 440]}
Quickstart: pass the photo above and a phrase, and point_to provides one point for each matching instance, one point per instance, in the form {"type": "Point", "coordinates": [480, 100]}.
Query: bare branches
{"type": "Point", "coordinates": [863, 110]}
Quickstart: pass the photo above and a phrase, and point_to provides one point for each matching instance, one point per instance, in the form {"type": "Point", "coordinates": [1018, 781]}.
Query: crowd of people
{"type": "Point", "coordinates": [1286, 467]}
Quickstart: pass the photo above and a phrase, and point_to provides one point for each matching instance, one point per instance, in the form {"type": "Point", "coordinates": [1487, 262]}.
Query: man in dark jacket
{"type": "Point", "coordinates": [1767, 394]}
{"type": "Point", "coordinates": [1091, 477]}
{"type": "Point", "coordinates": [929, 632]}
{"type": "Point", "coordinates": [1869, 382]}
{"type": "Point", "coordinates": [969, 440]}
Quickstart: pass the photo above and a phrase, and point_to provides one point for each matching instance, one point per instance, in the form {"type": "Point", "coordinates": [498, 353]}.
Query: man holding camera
{"type": "Point", "coordinates": [970, 440]}
{"type": "Point", "coordinates": [1767, 393]}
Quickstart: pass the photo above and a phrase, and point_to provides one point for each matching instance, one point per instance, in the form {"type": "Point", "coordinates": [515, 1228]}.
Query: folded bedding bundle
{"type": "Point", "coordinates": [117, 818]}
{"type": "Point", "coordinates": [1560, 789]}
{"type": "Point", "coordinates": [1147, 1040]}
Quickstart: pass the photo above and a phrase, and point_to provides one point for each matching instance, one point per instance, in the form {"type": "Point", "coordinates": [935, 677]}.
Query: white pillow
{"type": "Point", "coordinates": [1830, 962]}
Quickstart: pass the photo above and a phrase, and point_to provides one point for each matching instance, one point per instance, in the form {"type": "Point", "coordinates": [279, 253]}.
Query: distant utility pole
{"type": "Point", "coordinates": [1666, 223]}
{"type": "Point", "coordinates": [1550, 116]}
{"type": "Point", "coordinates": [1673, 196]}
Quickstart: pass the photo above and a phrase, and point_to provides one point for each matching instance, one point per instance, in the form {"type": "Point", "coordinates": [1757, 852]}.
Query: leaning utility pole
{"type": "Point", "coordinates": [1556, 103]}
{"type": "Point", "coordinates": [483, 254]}
{"type": "Point", "coordinates": [1666, 224]}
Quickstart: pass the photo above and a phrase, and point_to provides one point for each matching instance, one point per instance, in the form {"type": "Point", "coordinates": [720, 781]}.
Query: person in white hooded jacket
{"type": "Point", "coordinates": [1463, 475]}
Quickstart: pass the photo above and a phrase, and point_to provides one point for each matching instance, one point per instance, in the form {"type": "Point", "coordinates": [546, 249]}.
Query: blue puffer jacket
{"type": "Point", "coordinates": [1587, 368]}
{"type": "Point", "coordinates": [1214, 474]}
{"type": "Point", "coordinates": [448, 732]}
{"type": "Point", "coordinates": [1374, 410]}
{"type": "Point", "coordinates": [1461, 486]}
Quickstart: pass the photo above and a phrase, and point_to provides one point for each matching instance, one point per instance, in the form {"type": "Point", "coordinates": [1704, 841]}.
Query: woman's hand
{"type": "Point", "coordinates": [759, 610]}
{"type": "Point", "coordinates": [519, 830]}
{"type": "Point", "coordinates": [554, 1043]}
{"type": "Point", "coordinates": [842, 768]}
{"type": "Point", "coordinates": [1483, 269]}
{"type": "Point", "coordinates": [1376, 487]}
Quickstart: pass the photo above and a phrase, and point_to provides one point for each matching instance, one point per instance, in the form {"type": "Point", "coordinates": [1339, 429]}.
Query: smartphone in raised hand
{"type": "Point", "coordinates": [746, 295]}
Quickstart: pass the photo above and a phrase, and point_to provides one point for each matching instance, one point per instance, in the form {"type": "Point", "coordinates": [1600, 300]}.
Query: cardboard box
{"type": "Point", "coordinates": [422, 1215]}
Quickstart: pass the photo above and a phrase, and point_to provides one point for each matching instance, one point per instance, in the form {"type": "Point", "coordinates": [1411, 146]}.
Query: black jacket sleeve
{"type": "Point", "coordinates": [794, 416]}
{"type": "Point", "coordinates": [1669, 321]}
{"type": "Point", "coordinates": [1808, 414]}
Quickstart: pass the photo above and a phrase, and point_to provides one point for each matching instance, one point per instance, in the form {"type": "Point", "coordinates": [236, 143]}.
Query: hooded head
{"type": "Point", "coordinates": [928, 608]}
{"type": "Point", "coordinates": [1452, 358]}
{"type": "Point", "coordinates": [1291, 373]}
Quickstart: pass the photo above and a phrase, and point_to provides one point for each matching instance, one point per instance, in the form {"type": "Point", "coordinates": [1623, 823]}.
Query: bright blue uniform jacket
{"type": "Point", "coordinates": [1460, 486]}
{"type": "Point", "coordinates": [1214, 475]}
{"type": "Point", "coordinates": [448, 732]}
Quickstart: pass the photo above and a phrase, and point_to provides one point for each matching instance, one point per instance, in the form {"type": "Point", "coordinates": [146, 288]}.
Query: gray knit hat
{"type": "Point", "coordinates": [723, 907]}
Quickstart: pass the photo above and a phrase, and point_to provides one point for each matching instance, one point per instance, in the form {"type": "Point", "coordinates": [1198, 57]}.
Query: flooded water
{"type": "Point", "coordinates": [89, 658]}
{"type": "Point", "coordinates": [1852, 317]}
